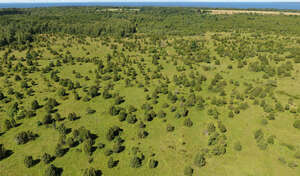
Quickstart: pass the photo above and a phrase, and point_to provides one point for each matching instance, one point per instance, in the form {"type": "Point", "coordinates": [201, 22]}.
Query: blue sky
{"type": "Point", "coordinates": [12, 1]}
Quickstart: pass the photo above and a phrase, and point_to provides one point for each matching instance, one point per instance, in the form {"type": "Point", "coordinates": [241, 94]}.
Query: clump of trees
{"type": "Point", "coordinates": [24, 137]}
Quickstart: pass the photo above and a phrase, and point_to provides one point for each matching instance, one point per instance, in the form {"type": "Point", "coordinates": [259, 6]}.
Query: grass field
{"type": "Point", "coordinates": [188, 58]}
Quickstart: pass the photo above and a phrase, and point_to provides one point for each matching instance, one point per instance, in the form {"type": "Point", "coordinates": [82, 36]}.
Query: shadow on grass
{"type": "Point", "coordinates": [8, 153]}
{"type": "Point", "coordinates": [35, 162]}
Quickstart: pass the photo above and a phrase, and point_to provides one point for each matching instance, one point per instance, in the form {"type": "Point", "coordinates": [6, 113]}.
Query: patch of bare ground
{"type": "Point", "coordinates": [231, 12]}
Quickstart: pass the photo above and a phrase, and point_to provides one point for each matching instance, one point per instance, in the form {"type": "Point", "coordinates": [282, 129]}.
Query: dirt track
{"type": "Point", "coordinates": [230, 12]}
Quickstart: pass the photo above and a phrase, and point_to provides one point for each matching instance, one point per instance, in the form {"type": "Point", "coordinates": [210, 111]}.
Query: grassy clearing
{"type": "Point", "coordinates": [173, 150]}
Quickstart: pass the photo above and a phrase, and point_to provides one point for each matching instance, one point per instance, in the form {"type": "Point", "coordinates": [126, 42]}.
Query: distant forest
{"type": "Point", "coordinates": [19, 26]}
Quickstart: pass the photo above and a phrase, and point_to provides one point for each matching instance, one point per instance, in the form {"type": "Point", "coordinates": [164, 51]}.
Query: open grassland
{"type": "Point", "coordinates": [211, 79]}
{"type": "Point", "coordinates": [155, 91]}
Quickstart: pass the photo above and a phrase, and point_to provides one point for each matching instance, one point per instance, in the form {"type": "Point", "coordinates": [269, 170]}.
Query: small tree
{"type": "Point", "coordinates": [71, 142]}
{"type": "Point", "coordinates": [35, 105]}
{"type": "Point", "coordinates": [93, 91]}
{"type": "Point", "coordinates": [51, 171]}
{"type": "Point", "coordinates": [61, 92]}
{"type": "Point", "coordinates": [297, 124]}
{"type": "Point", "coordinates": [59, 151]}
{"type": "Point", "coordinates": [117, 148]}
{"type": "Point", "coordinates": [113, 110]}
{"type": "Point", "coordinates": [46, 158]}
{"type": "Point", "coordinates": [90, 172]}
{"type": "Point", "coordinates": [142, 134]}
{"type": "Point", "coordinates": [238, 146]}
{"type": "Point", "coordinates": [47, 119]}
{"type": "Point", "coordinates": [153, 163]}
{"type": "Point", "coordinates": [28, 161]}
{"type": "Point", "coordinates": [211, 128]}
{"type": "Point", "coordinates": [111, 163]}
{"type": "Point", "coordinates": [188, 122]}
{"type": "Point", "coordinates": [170, 128]}
{"type": "Point", "coordinates": [200, 160]}
{"type": "Point", "coordinates": [87, 147]}
{"type": "Point", "coordinates": [7, 125]}
{"type": "Point", "coordinates": [135, 162]}
{"type": "Point", "coordinates": [222, 127]}
{"type": "Point", "coordinates": [24, 136]}
{"type": "Point", "coordinates": [188, 171]}
{"type": "Point", "coordinates": [72, 116]}
{"type": "Point", "coordinates": [131, 118]}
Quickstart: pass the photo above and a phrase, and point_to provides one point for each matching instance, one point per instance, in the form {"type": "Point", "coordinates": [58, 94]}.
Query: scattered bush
{"type": "Point", "coordinates": [153, 163]}
{"type": "Point", "coordinates": [297, 124]}
{"type": "Point", "coordinates": [188, 171]}
{"type": "Point", "coordinates": [46, 158]}
{"type": "Point", "coordinates": [200, 160]}
{"type": "Point", "coordinates": [28, 161]}
{"type": "Point", "coordinates": [24, 137]}
{"type": "Point", "coordinates": [135, 162]}
{"type": "Point", "coordinates": [237, 146]}
{"type": "Point", "coordinates": [170, 128]}
{"type": "Point", "coordinates": [188, 122]}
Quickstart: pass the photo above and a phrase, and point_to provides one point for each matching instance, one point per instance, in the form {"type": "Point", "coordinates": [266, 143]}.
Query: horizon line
{"type": "Point", "coordinates": [151, 2]}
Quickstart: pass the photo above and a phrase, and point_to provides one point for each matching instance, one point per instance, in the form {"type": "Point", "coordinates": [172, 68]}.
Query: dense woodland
{"type": "Point", "coordinates": [148, 91]}
{"type": "Point", "coordinates": [21, 25]}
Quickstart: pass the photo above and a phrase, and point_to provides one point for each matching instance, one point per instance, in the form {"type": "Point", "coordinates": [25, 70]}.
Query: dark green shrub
{"type": "Point", "coordinates": [101, 145]}
{"type": "Point", "coordinates": [113, 110]}
{"type": "Point", "coordinates": [297, 124]}
{"type": "Point", "coordinates": [188, 122]}
{"type": "Point", "coordinates": [200, 160]}
{"type": "Point", "coordinates": [211, 128]}
{"type": "Point", "coordinates": [46, 158]}
{"type": "Point", "coordinates": [90, 110]}
{"type": "Point", "coordinates": [237, 146]}
{"type": "Point", "coordinates": [153, 163]}
{"type": "Point", "coordinates": [35, 105]}
{"type": "Point", "coordinates": [47, 119]}
{"type": "Point", "coordinates": [93, 91]}
{"type": "Point", "coordinates": [122, 115]}
{"type": "Point", "coordinates": [108, 152]}
{"type": "Point", "coordinates": [28, 161]}
{"type": "Point", "coordinates": [87, 147]}
{"type": "Point", "coordinates": [72, 116]}
{"type": "Point", "coordinates": [135, 162]}
{"type": "Point", "coordinates": [112, 133]}
{"type": "Point", "coordinates": [142, 134]}
{"type": "Point", "coordinates": [230, 114]}
{"type": "Point", "coordinates": [222, 127]}
{"type": "Point", "coordinates": [131, 118]}
{"type": "Point", "coordinates": [52, 171]}
{"type": "Point", "coordinates": [117, 148]}
{"type": "Point", "coordinates": [270, 139]}
{"type": "Point", "coordinates": [292, 164]}
{"type": "Point", "coordinates": [24, 137]}
{"type": "Point", "coordinates": [297, 155]}
{"type": "Point", "coordinates": [170, 128]}
{"type": "Point", "coordinates": [188, 171]}
{"type": "Point", "coordinates": [111, 163]}
{"type": "Point", "coordinates": [59, 151]}
{"type": "Point", "coordinates": [90, 172]}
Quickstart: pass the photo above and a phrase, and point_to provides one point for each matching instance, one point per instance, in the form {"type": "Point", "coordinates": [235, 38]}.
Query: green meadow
{"type": "Point", "coordinates": [210, 103]}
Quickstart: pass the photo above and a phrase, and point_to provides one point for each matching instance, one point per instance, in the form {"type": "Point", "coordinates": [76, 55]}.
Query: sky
{"type": "Point", "coordinates": [28, 1]}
